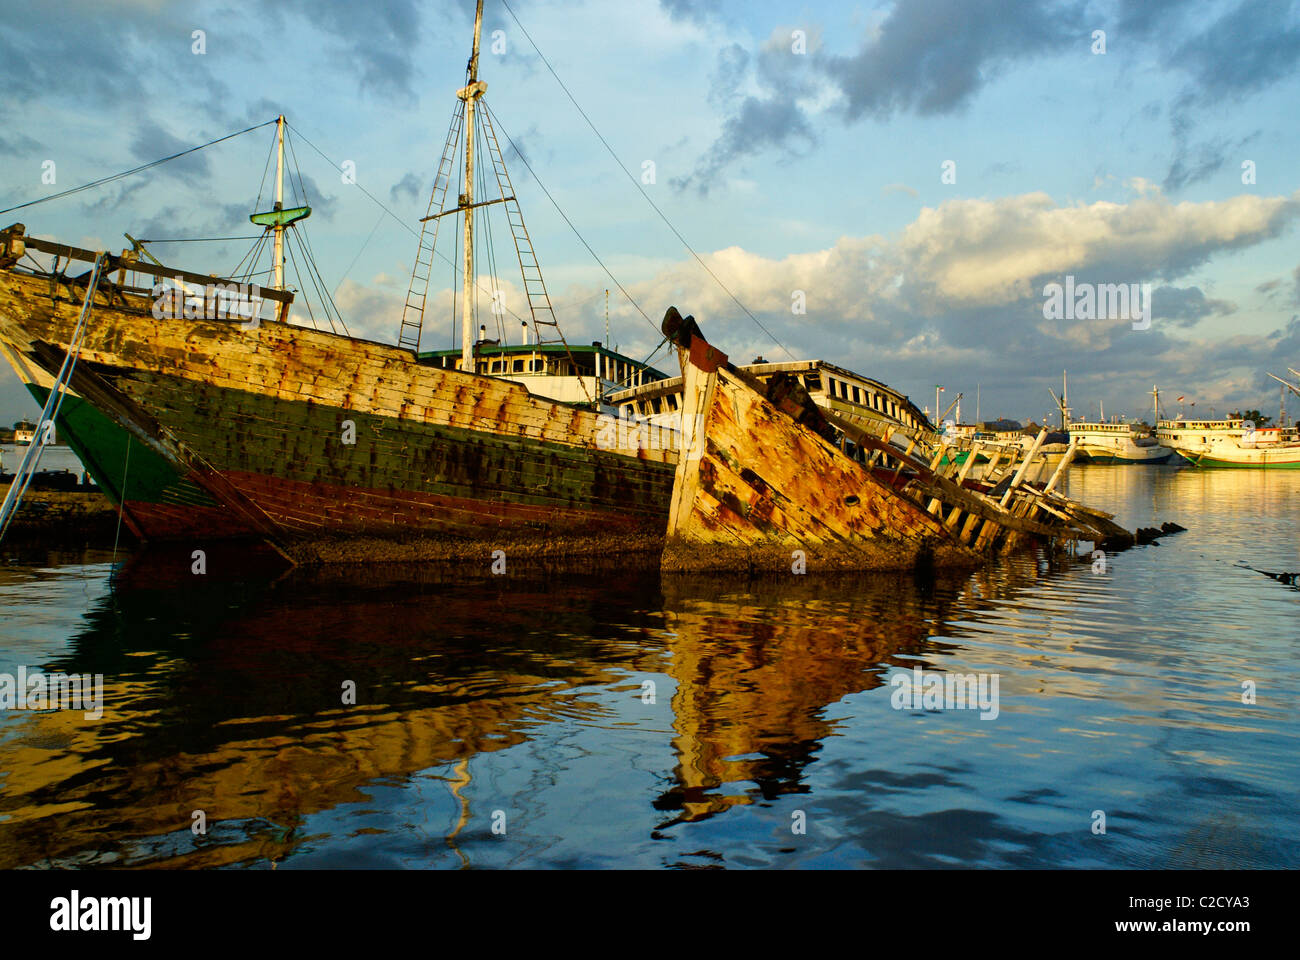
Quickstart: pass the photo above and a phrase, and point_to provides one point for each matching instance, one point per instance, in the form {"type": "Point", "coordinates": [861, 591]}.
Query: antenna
{"type": "Point", "coordinates": [606, 318]}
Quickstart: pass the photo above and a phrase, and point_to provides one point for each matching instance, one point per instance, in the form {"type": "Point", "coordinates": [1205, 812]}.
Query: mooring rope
{"type": "Point", "coordinates": [121, 507]}
{"type": "Point", "coordinates": [53, 403]}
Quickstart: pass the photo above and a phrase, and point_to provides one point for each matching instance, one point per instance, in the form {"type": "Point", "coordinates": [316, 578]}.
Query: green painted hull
{"type": "Point", "coordinates": [160, 504]}
{"type": "Point", "coordinates": [1210, 462]}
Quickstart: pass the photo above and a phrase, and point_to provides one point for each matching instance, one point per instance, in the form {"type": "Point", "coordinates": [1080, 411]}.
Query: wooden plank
{"type": "Point", "coordinates": [140, 266]}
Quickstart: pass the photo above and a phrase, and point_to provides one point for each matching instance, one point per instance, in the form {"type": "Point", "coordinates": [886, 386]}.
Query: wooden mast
{"type": "Point", "coordinates": [277, 219]}
{"type": "Point", "coordinates": [471, 92]}
{"type": "Point", "coordinates": [279, 201]}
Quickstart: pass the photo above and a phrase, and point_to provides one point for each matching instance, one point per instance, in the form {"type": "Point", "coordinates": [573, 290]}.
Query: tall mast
{"type": "Point", "coordinates": [279, 202]}
{"type": "Point", "coordinates": [470, 94]}
{"type": "Point", "coordinates": [1155, 407]}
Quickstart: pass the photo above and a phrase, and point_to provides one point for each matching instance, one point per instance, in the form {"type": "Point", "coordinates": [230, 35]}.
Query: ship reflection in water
{"type": "Point", "coordinates": [601, 718]}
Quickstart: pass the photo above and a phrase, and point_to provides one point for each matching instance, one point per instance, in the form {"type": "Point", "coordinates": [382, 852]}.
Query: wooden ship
{"type": "Point", "coordinates": [767, 480]}
{"type": "Point", "coordinates": [256, 426]}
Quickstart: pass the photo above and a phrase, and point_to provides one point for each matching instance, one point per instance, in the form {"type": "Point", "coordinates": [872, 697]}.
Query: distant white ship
{"type": "Point", "coordinates": [24, 433]}
{"type": "Point", "coordinates": [1232, 443]}
{"type": "Point", "coordinates": [1118, 443]}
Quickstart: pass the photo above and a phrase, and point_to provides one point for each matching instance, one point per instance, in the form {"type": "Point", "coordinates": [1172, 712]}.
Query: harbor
{"type": "Point", "coordinates": [427, 481]}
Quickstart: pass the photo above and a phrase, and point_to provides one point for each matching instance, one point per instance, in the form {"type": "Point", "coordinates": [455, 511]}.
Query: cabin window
{"type": "Point", "coordinates": [857, 395]}
{"type": "Point", "coordinates": [812, 382]}
{"type": "Point", "coordinates": [519, 366]}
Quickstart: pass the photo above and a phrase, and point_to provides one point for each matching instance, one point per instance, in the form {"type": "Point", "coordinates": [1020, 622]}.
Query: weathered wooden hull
{"type": "Point", "coordinates": [757, 490]}
{"type": "Point", "coordinates": [155, 500]}
{"type": "Point", "coordinates": [259, 420]}
{"type": "Point", "coordinates": [762, 485]}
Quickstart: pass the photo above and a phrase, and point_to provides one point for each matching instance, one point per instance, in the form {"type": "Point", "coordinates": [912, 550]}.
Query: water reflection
{"type": "Point", "coordinates": [526, 695]}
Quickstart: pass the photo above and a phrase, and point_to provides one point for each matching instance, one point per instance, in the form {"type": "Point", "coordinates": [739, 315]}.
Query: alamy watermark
{"type": "Point", "coordinates": [1098, 301]}
{"type": "Point", "coordinates": [36, 690]}
{"type": "Point", "coordinates": [216, 301]}
{"type": "Point", "coordinates": [919, 690]}
{"type": "Point", "coordinates": [636, 433]}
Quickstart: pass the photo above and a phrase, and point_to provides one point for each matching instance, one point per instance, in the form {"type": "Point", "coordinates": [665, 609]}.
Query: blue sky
{"type": "Point", "coordinates": [819, 171]}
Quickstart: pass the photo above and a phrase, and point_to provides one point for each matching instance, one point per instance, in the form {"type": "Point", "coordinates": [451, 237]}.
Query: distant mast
{"type": "Point", "coordinates": [471, 92]}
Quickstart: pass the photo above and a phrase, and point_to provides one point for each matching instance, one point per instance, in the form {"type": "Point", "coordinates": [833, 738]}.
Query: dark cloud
{"type": "Point", "coordinates": [772, 120]}
{"type": "Point", "coordinates": [409, 187]}
{"type": "Point", "coordinates": [1248, 48]}
{"type": "Point", "coordinates": [297, 184]}
{"type": "Point", "coordinates": [1193, 165]}
{"type": "Point", "coordinates": [1187, 306]}
{"type": "Point", "coordinates": [698, 11]}
{"type": "Point", "coordinates": [933, 56]}
{"type": "Point", "coordinates": [152, 142]}
{"type": "Point", "coordinates": [1138, 17]}
{"type": "Point", "coordinates": [15, 143]}
{"type": "Point", "coordinates": [377, 41]}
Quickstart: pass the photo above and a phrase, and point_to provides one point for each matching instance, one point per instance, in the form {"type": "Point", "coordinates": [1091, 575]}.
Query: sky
{"type": "Point", "coordinates": [914, 175]}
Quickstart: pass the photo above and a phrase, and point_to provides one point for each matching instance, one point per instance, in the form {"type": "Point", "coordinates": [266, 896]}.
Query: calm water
{"type": "Point", "coordinates": [523, 701]}
{"type": "Point", "coordinates": [55, 456]}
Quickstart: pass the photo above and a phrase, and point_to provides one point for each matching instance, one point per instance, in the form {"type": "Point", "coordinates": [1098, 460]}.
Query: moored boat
{"type": "Point", "coordinates": [1119, 443]}
{"type": "Point", "coordinates": [305, 436]}
{"type": "Point", "coordinates": [1232, 442]}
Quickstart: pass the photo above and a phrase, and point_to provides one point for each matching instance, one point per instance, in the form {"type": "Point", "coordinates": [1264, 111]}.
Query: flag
{"type": "Point", "coordinates": [1180, 399]}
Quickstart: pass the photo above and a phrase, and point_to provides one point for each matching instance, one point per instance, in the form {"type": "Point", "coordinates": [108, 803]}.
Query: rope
{"type": "Point", "coordinates": [496, 122]}
{"type": "Point", "coordinates": [121, 503]}
{"type": "Point", "coordinates": [405, 226]}
{"type": "Point", "coordinates": [126, 173]}
{"type": "Point", "coordinates": [637, 184]}
{"type": "Point", "coordinates": [53, 403]}
{"type": "Point", "coordinates": [202, 239]}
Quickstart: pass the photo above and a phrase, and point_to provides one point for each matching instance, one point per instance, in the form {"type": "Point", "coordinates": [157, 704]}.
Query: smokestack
{"type": "Point", "coordinates": [482, 332]}
{"type": "Point", "coordinates": [523, 331]}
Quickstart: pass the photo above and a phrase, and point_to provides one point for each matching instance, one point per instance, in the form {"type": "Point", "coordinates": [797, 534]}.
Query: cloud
{"type": "Point", "coordinates": [697, 11]}
{"type": "Point", "coordinates": [899, 188]}
{"type": "Point", "coordinates": [409, 187]}
{"type": "Point", "coordinates": [957, 294]}
{"type": "Point", "coordinates": [378, 44]}
{"type": "Point", "coordinates": [772, 118]}
{"type": "Point", "coordinates": [1187, 306]}
{"type": "Point", "coordinates": [1248, 48]}
{"type": "Point", "coordinates": [933, 56]}
{"type": "Point", "coordinates": [152, 142]}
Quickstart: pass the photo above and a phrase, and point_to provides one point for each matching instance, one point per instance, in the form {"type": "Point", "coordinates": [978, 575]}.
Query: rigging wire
{"type": "Point", "coordinates": [126, 173]}
{"type": "Point", "coordinates": [306, 300]}
{"type": "Point", "coordinates": [369, 237]}
{"type": "Point", "coordinates": [405, 226]}
{"type": "Point", "coordinates": [257, 204]}
{"type": "Point", "coordinates": [636, 184]}
{"type": "Point", "coordinates": [202, 239]}
{"type": "Point", "coordinates": [497, 124]}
